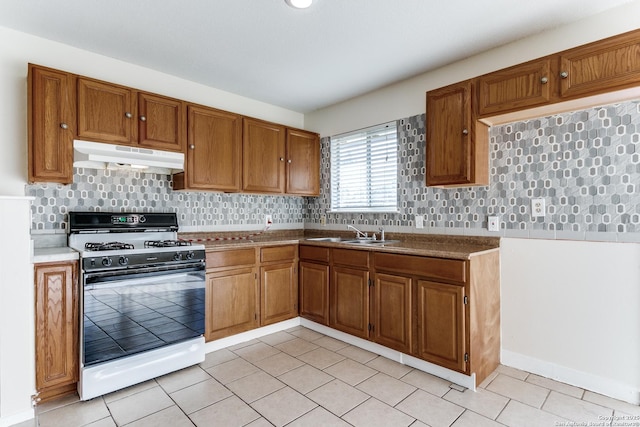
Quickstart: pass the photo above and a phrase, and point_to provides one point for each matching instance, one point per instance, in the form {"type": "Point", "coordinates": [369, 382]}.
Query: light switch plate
{"type": "Point", "coordinates": [538, 207]}
{"type": "Point", "coordinates": [419, 221]}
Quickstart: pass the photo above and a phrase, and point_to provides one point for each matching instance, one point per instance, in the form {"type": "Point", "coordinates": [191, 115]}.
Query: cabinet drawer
{"type": "Point", "coordinates": [314, 253]}
{"type": "Point", "coordinates": [278, 253]}
{"type": "Point", "coordinates": [230, 258]}
{"type": "Point", "coordinates": [449, 270]}
{"type": "Point", "coordinates": [351, 258]}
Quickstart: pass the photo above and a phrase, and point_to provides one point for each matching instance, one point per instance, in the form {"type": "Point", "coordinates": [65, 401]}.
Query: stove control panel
{"type": "Point", "coordinates": [141, 260]}
{"type": "Point", "coordinates": [128, 219]}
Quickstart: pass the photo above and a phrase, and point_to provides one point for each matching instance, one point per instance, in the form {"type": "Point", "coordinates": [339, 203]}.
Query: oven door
{"type": "Point", "coordinates": [131, 311]}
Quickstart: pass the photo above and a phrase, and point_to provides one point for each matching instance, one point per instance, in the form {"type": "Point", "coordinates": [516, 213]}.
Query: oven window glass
{"type": "Point", "coordinates": [126, 316]}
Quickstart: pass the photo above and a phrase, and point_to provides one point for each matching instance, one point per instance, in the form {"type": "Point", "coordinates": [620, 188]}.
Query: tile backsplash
{"type": "Point", "coordinates": [586, 165]}
{"type": "Point", "coordinates": [112, 190]}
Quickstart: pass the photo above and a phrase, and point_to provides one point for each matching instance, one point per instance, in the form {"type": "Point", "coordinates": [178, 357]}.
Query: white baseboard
{"type": "Point", "coordinates": [447, 374]}
{"type": "Point", "coordinates": [250, 335]}
{"type": "Point", "coordinates": [588, 381]}
{"type": "Point", "coordinates": [17, 418]}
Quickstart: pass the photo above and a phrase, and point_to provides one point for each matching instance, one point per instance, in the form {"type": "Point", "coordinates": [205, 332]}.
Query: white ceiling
{"type": "Point", "coordinates": [302, 60]}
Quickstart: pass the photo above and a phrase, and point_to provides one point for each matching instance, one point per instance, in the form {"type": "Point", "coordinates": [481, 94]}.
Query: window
{"type": "Point", "coordinates": [364, 170]}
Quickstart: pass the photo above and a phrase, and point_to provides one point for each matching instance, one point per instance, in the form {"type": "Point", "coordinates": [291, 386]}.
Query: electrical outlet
{"type": "Point", "coordinates": [419, 221]}
{"type": "Point", "coordinates": [323, 220]}
{"type": "Point", "coordinates": [538, 208]}
{"type": "Point", "coordinates": [268, 220]}
{"type": "Point", "coordinates": [493, 223]}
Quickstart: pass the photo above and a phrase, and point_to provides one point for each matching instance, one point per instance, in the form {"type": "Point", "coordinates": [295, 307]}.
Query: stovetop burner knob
{"type": "Point", "coordinates": [177, 256]}
{"type": "Point", "coordinates": [123, 260]}
{"type": "Point", "coordinates": [106, 261]}
{"type": "Point", "coordinates": [190, 255]}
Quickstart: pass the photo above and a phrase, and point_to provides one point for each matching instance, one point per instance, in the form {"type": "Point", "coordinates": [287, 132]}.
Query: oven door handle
{"type": "Point", "coordinates": [123, 274]}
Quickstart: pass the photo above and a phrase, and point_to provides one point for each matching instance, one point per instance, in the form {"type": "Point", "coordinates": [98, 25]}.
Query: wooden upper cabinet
{"type": "Point", "coordinates": [121, 115]}
{"type": "Point", "coordinates": [602, 66]}
{"type": "Point", "coordinates": [457, 145]}
{"type": "Point", "coordinates": [160, 122]}
{"type": "Point", "coordinates": [214, 151]}
{"type": "Point", "coordinates": [56, 320]}
{"type": "Point", "coordinates": [51, 125]}
{"type": "Point", "coordinates": [303, 163]}
{"type": "Point", "coordinates": [106, 112]}
{"type": "Point", "coordinates": [514, 88]}
{"type": "Point", "coordinates": [263, 154]}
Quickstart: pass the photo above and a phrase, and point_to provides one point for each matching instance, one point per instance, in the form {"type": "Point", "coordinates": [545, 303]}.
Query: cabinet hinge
{"type": "Point", "coordinates": [465, 300]}
{"type": "Point", "coordinates": [466, 357]}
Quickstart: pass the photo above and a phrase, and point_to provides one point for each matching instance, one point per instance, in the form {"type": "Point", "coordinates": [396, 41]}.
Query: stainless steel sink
{"type": "Point", "coordinates": [370, 242]}
{"type": "Point", "coordinates": [326, 239]}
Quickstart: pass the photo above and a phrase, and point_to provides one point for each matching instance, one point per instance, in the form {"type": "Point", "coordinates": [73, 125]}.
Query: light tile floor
{"type": "Point", "coordinates": [299, 377]}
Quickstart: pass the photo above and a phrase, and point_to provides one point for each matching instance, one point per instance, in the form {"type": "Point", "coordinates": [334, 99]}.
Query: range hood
{"type": "Point", "coordinates": [97, 155]}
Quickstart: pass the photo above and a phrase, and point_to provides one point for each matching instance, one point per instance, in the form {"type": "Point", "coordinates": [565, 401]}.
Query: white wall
{"type": "Point", "coordinates": [571, 310]}
{"type": "Point", "coordinates": [408, 98]}
{"type": "Point", "coordinates": [17, 352]}
{"type": "Point", "coordinates": [17, 49]}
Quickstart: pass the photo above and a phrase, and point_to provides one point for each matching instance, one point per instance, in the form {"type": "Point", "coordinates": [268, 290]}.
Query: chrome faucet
{"type": "Point", "coordinates": [359, 234]}
{"type": "Point", "coordinates": [381, 229]}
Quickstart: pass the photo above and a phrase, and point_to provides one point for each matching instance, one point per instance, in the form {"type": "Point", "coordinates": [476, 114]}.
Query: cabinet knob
{"type": "Point", "coordinates": [564, 74]}
{"type": "Point", "coordinates": [465, 132]}
{"type": "Point", "coordinates": [64, 126]}
{"type": "Point", "coordinates": [143, 118]}
{"type": "Point", "coordinates": [128, 115]}
{"type": "Point", "coordinates": [192, 147]}
{"type": "Point", "coordinates": [289, 161]}
{"type": "Point", "coordinates": [544, 80]}
{"type": "Point", "coordinates": [282, 159]}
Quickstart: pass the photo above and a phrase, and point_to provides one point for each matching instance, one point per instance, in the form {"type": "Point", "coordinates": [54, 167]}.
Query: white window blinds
{"type": "Point", "coordinates": [364, 170]}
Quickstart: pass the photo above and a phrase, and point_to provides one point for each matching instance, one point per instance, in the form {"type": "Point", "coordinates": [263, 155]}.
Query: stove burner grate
{"type": "Point", "coordinates": [165, 243]}
{"type": "Point", "coordinates": [107, 246]}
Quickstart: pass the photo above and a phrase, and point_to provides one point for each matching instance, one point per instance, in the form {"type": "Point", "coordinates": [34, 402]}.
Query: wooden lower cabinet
{"type": "Point", "coordinates": [278, 293]}
{"type": "Point", "coordinates": [56, 321]}
{"type": "Point", "coordinates": [391, 308]}
{"type": "Point", "coordinates": [250, 287]}
{"type": "Point", "coordinates": [314, 292]}
{"type": "Point", "coordinates": [231, 303]}
{"type": "Point", "coordinates": [349, 306]}
{"type": "Point", "coordinates": [441, 329]}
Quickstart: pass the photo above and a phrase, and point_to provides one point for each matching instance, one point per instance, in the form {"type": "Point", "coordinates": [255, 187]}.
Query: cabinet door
{"type": "Point", "coordinates": [278, 293]}
{"type": "Point", "coordinates": [449, 145]}
{"type": "Point", "coordinates": [263, 154]}
{"type": "Point", "coordinates": [51, 125]}
{"type": "Point", "coordinates": [105, 112]}
{"type": "Point", "coordinates": [515, 88]}
{"type": "Point", "coordinates": [160, 122]}
{"type": "Point", "coordinates": [349, 308]}
{"type": "Point", "coordinates": [441, 330]}
{"type": "Point", "coordinates": [303, 163]}
{"type": "Point", "coordinates": [314, 292]}
{"type": "Point", "coordinates": [231, 303]}
{"type": "Point", "coordinates": [599, 67]}
{"type": "Point", "coordinates": [56, 325]}
{"type": "Point", "coordinates": [214, 152]}
{"type": "Point", "coordinates": [392, 312]}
